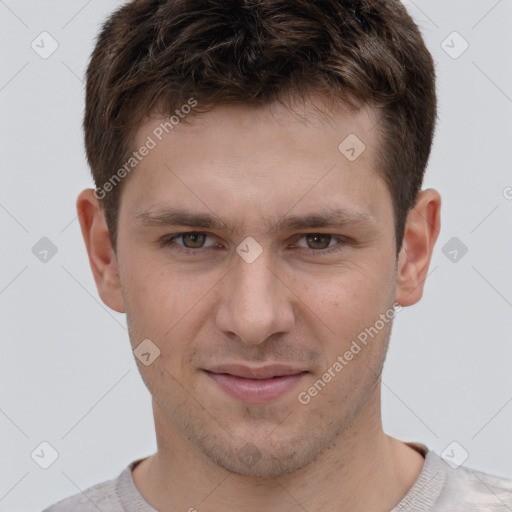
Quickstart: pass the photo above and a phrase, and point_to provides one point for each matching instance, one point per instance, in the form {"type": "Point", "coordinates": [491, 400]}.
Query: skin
{"type": "Point", "coordinates": [294, 304]}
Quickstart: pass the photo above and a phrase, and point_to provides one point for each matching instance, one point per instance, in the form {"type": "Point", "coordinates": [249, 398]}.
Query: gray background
{"type": "Point", "coordinates": [68, 376]}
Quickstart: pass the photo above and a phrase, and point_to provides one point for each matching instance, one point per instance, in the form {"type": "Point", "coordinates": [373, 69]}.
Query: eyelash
{"type": "Point", "coordinates": [168, 242]}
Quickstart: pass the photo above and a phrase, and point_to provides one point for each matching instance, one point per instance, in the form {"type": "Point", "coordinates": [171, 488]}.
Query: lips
{"type": "Point", "coordinates": [253, 384]}
{"type": "Point", "coordinates": [264, 372]}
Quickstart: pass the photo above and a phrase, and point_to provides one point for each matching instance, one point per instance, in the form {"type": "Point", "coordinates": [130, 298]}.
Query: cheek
{"type": "Point", "coordinates": [350, 298]}
{"type": "Point", "coordinates": [168, 307]}
{"type": "Point", "coordinates": [157, 292]}
{"type": "Point", "coordinates": [153, 300]}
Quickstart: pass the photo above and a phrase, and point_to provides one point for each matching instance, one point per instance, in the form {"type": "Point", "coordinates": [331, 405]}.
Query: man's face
{"type": "Point", "coordinates": [293, 295]}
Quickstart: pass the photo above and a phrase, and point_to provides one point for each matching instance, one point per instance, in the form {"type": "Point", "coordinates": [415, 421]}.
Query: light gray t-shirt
{"type": "Point", "coordinates": [439, 488]}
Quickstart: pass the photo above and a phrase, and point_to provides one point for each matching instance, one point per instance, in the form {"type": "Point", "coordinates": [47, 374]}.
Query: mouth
{"type": "Point", "coordinates": [255, 385]}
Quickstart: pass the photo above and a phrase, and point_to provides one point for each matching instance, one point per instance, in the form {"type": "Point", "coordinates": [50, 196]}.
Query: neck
{"type": "Point", "coordinates": [363, 470]}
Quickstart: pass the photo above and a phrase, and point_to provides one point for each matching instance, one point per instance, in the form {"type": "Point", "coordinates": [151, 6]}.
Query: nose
{"type": "Point", "coordinates": [255, 302]}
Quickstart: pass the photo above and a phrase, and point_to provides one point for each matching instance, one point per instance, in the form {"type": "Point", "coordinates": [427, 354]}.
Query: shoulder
{"type": "Point", "coordinates": [102, 496]}
{"type": "Point", "coordinates": [445, 487]}
{"type": "Point", "coordinates": [470, 488]}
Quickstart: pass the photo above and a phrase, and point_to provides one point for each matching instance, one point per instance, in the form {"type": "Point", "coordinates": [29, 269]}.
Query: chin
{"type": "Point", "coordinates": [264, 458]}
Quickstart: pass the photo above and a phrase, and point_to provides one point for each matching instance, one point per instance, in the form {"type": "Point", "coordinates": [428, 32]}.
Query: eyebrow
{"type": "Point", "coordinates": [181, 217]}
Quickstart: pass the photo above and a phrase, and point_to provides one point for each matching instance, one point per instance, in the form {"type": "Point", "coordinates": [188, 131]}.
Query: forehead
{"type": "Point", "coordinates": [237, 155]}
{"type": "Point", "coordinates": [316, 113]}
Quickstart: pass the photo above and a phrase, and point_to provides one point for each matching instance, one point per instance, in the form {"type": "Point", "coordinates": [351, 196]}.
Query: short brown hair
{"type": "Point", "coordinates": [157, 54]}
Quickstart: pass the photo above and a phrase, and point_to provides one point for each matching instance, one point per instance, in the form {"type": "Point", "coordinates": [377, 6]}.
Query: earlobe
{"type": "Point", "coordinates": [102, 258]}
{"type": "Point", "coordinates": [421, 232]}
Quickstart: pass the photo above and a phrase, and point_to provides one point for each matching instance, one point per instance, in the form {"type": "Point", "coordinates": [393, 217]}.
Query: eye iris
{"type": "Point", "coordinates": [196, 238]}
{"type": "Point", "coordinates": [318, 239]}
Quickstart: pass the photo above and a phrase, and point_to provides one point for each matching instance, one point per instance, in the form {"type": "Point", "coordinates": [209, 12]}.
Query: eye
{"type": "Point", "coordinates": [318, 241]}
{"type": "Point", "coordinates": [320, 244]}
{"type": "Point", "coordinates": [188, 242]}
{"type": "Point", "coordinates": [193, 240]}
{"type": "Point", "coordinates": [194, 243]}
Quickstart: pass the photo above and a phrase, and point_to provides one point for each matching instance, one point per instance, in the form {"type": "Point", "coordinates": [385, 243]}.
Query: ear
{"type": "Point", "coordinates": [421, 232]}
{"type": "Point", "coordinates": [102, 258]}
